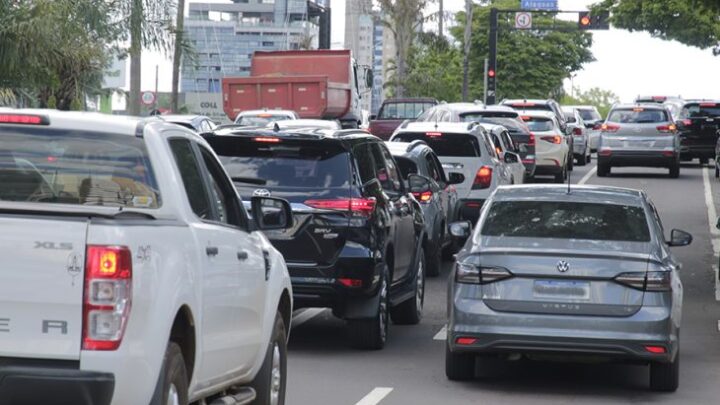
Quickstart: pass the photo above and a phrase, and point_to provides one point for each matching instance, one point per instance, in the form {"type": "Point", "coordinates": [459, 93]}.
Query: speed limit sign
{"type": "Point", "coordinates": [148, 98]}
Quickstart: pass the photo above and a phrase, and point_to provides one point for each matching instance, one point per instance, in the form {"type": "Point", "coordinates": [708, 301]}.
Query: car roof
{"type": "Point", "coordinates": [537, 113]}
{"type": "Point", "coordinates": [527, 101]}
{"type": "Point", "coordinates": [189, 118]}
{"type": "Point", "coordinates": [581, 107]}
{"type": "Point", "coordinates": [432, 126]}
{"type": "Point", "coordinates": [649, 106]}
{"type": "Point", "coordinates": [407, 148]}
{"type": "Point", "coordinates": [305, 123]}
{"type": "Point", "coordinates": [85, 121]}
{"type": "Point", "coordinates": [266, 111]}
{"type": "Point", "coordinates": [462, 108]}
{"type": "Point", "coordinates": [410, 100]}
{"type": "Point", "coordinates": [493, 127]}
{"type": "Point", "coordinates": [698, 101]}
{"type": "Point", "coordinates": [295, 133]}
{"type": "Point", "coordinates": [559, 192]}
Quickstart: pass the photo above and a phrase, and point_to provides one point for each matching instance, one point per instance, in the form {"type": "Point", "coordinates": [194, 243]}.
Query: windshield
{"type": "Point", "coordinates": [76, 167]}
{"type": "Point", "coordinates": [260, 120]}
{"type": "Point", "coordinates": [701, 110]}
{"type": "Point", "coordinates": [288, 163]}
{"type": "Point", "coordinates": [539, 124]}
{"type": "Point", "coordinates": [589, 114]}
{"type": "Point", "coordinates": [456, 145]}
{"type": "Point", "coordinates": [566, 220]}
{"type": "Point", "coordinates": [403, 111]}
{"type": "Point", "coordinates": [638, 115]}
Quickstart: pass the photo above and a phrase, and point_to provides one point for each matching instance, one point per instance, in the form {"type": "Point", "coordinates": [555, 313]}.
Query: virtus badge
{"type": "Point", "coordinates": [563, 266]}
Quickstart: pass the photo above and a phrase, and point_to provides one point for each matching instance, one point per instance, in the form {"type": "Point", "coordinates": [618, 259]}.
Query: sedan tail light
{"type": "Point", "coordinates": [556, 139]}
{"type": "Point", "coordinates": [609, 128]}
{"type": "Point", "coordinates": [423, 197]}
{"type": "Point", "coordinates": [470, 274]}
{"type": "Point", "coordinates": [667, 129]}
{"type": "Point", "coordinates": [651, 281]}
{"type": "Point", "coordinates": [107, 297]}
{"type": "Point", "coordinates": [483, 178]}
{"type": "Point", "coordinates": [361, 206]}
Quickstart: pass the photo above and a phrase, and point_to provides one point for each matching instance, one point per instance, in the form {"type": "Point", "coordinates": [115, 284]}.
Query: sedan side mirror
{"type": "Point", "coordinates": [418, 183]}
{"type": "Point", "coordinates": [680, 238]}
{"type": "Point", "coordinates": [271, 213]}
{"type": "Point", "coordinates": [460, 231]}
{"type": "Point", "coordinates": [511, 157]}
{"type": "Point", "coordinates": [456, 178]}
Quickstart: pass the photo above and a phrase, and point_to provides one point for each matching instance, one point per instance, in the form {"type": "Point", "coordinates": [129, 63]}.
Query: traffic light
{"type": "Point", "coordinates": [491, 73]}
{"type": "Point", "coordinates": [590, 21]}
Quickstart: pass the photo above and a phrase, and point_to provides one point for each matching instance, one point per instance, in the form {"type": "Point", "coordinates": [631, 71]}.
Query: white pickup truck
{"type": "Point", "coordinates": [131, 273]}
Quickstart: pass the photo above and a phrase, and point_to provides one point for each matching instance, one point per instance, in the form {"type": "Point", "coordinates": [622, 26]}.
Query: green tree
{"type": "Point", "coordinates": [602, 99]}
{"type": "Point", "coordinates": [693, 23]}
{"type": "Point", "coordinates": [531, 63]}
{"type": "Point", "coordinates": [434, 69]}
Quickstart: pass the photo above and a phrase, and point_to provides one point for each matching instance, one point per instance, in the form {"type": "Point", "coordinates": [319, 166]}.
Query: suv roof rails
{"type": "Point", "coordinates": [414, 144]}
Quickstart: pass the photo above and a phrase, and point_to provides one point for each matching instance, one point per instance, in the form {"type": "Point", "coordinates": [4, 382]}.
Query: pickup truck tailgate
{"type": "Point", "coordinates": [41, 286]}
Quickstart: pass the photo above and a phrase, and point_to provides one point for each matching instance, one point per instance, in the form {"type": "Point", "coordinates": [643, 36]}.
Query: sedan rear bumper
{"type": "Point", "coordinates": [638, 158]}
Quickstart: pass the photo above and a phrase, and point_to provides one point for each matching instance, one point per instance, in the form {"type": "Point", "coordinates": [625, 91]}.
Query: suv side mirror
{"type": "Point", "coordinates": [271, 213]}
{"type": "Point", "coordinates": [680, 238]}
{"type": "Point", "coordinates": [511, 157]}
{"type": "Point", "coordinates": [460, 231]}
{"type": "Point", "coordinates": [418, 183]}
{"type": "Point", "coordinates": [456, 178]}
{"type": "Point", "coordinates": [369, 78]}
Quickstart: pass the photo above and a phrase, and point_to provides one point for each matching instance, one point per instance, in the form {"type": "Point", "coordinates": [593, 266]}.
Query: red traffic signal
{"type": "Point", "coordinates": [584, 20]}
{"type": "Point", "coordinates": [491, 73]}
{"type": "Point", "coordinates": [598, 21]}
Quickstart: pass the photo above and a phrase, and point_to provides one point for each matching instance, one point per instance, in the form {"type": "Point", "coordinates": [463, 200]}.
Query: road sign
{"type": "Point", "coordinates": [539, 5]}
{"type": "Point", "coordinates": [148, 98]}
{"type": "Point", "coordinates": [523, 20]}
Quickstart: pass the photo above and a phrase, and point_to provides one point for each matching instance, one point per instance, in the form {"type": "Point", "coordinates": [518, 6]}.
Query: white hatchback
{"type": "Point", "coordinates": [551, 148]}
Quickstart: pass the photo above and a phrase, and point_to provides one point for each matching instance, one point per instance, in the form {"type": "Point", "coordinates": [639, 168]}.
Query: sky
{"type": "Point", "coordinates": [627, 63]}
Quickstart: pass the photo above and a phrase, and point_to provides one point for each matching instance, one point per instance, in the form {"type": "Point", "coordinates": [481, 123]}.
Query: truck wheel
{"type": "Point", "coordinates": [271, 381]}
{"type": "Point", "coordinates": [371, 334]}
{"type": "Point", "coordinates": [665, 376]}
{"type": "Point", "coordinates": [410, 311]}
{"type": "Point", "coordinates": [172, 385]}
{"type": "Point", "coordinates": [459, 366]}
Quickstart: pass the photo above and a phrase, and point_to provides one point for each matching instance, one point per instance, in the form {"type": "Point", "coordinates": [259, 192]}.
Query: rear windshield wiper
{"type": "Point", "coordinates": [250, 180]}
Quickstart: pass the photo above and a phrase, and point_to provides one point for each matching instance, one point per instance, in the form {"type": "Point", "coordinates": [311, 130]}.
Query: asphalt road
{"type": "Point", "coordinates": [323, 369]}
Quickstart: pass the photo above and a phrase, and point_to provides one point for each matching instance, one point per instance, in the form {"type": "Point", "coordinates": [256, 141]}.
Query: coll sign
{"type": "Point", "coordinates": [539, 5]}
{"type": "Point", "coordinates": [208, 104]}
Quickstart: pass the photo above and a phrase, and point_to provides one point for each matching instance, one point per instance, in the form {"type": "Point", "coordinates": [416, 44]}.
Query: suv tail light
{"type": "Point", "coordinates": [667, 129]}
{"type": "Point", "coordinates": [652, 281]}
{"type": "Point", "coordinates": [483, 178]}
{"type": "Point", "coordinates": [362, 206]}
{"type": "Point", "coordinates": [531, 141]}
{"type": "Point", "coordinates": [556, 139]}
{"type": "Point", "coordinates": [107, 297]}
{"type": "Point", "coordinates": [609, 128]}
{"type": "Point", "coordinates": [471, 274]}
{"type": "Point", "coordinates": [423, 197]}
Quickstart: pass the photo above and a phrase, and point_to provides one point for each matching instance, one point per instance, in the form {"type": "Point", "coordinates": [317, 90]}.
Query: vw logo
{"type": "Point", "coordinates": [563, 266]}
{"type": "Point", "coordinates": [261, 192]}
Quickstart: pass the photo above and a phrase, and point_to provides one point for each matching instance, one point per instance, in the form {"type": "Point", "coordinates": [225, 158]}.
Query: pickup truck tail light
{"type": "Point", "coordinates": [651, 281]}
{"type": "Point", "coordinates": [483, 178]}
{"type": "Point", "coordinates": [361, 206]}
{"type": "Point", "coordinates": [107, 297]}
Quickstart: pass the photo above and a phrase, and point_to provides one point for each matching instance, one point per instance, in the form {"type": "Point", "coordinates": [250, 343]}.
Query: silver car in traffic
{"type": "Point", "coordinates": [585, 274]}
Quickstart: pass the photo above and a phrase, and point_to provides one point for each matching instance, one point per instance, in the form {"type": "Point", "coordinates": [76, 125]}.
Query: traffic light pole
{"type": "Point", "coordinates": [492, 58]}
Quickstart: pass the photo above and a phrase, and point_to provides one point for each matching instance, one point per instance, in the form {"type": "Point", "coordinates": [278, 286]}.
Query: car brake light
{"type": "Point", "coordinates": [266, 139]}
{"type": "Point", "coordinates": [667, 129]}
{"type": "Point", "coordinates": [433, 134]}
{"type": "Point", "coordinates": [659, 98]}
{"type": "Point", "coordinates": [107, 296]}
{"type": "Point", "coordinates": [531, 141]}
{"type": "Point", "coordinates": [655, 349]}
{"type": "Point", "coordinates": [23, 119]}
{"type": "Point", "coordinates": [472, 274]}
{"type": "Point", "coordinates": [464, 341]}
{"type": "Point", "coordinates": [350, 282]}
{"type": "Point", "coordinates": [362, 206]}
{"type": "Point", "coordinates": [483, 178]}
{"type": "Point", "coordinates": [526, 117]}
{"type": "Point", "coordinates": [652, 281]}
{"type": "Point", "coordinates": [609, 128]}
{"type": "Point", "coordinates": [687, 122]}
{"type": "Point", "coordinates": [577, 131]}
{"type": "Point", "coordinates": [597, 127]}
{"type": "Point", "coordinates": [708, 104]}
{"type": "Point", "coordinates": [605, 152]}
{"type": "Point", "coordinates": [524, 105]}
{"type": "Point", "coordinates": [528, 161]}
{"type": "Point", "coordinates": [556, 139]}
{"type": "Point", "coordinates": [423, 197]}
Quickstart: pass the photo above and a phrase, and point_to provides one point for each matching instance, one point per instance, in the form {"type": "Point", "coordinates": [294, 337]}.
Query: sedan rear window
{"type": "Point", "coordinates": [456, 145]}
{"type": "Point", "coordinates": [276, 162]}
{"type": "Point", "coordinates": [638, 115]}
{"type": "Point", "coordinates": [567, 220]}
{"type": "Point", "coordinates": [76, 167]}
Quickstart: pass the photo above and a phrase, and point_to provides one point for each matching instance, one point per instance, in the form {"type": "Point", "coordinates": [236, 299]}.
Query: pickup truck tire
{"type": "Point", "coordinates": [410, 311]}
{"type": "Point", "coordinates": [371, 334]}
{"type": "Point", "coordinates": [172, 385]}
{"type": "Point", "coordinates": [271, 382]}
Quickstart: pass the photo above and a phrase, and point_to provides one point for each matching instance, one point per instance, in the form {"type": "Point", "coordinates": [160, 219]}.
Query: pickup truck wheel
{"type": "Point", "coordinates": [410, 311]}
{"type": "Point", "coordinates": [271, 382]}
{"type": "Point", "coordinates": [371, 334]}
{"type": "Point", "coordinates": [172, 385]}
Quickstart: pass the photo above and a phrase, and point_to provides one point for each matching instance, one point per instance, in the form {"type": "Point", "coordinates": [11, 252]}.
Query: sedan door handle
{"type": "Point", "coordinates": [212, 251]}
{"type": "Point", "coordinates": [242, 255]}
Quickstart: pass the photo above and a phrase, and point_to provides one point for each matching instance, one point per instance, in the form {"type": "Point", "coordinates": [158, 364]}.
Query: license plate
{"type": "Point", "coordinates": [578, 290]}
{"type": "Point", "coordinates": [709, 119]}
{"type": "Point", "coordinates": [639, 144]}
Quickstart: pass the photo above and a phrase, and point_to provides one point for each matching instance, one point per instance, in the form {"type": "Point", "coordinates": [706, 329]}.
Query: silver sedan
{"type": "Point", "coordinates": [584, 274]}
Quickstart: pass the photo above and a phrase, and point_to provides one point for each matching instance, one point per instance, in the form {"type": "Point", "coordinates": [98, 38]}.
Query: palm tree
{"type": "Point", "coordinates": [177, 57]}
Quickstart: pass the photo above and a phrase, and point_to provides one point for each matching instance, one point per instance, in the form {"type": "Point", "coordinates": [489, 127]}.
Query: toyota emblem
{"type": "Point", "coordinates": [563, 266]}
{"type": "Point", "coordinates": [261, 192]}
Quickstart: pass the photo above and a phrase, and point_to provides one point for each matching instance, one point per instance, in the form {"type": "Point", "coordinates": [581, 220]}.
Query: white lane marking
{"type": "Point", "coordinates": [442, 335]}
{"type": "Point", "coordinates": [305, 316]}
{"type": "Point", "coordinates": [587, 176]}
{"type": "Point", "coordinates": [714, 232]}
{"type": "Point", "coordinates": [375, 396]}
{"type": "Point", "coordinates": [718, 326]}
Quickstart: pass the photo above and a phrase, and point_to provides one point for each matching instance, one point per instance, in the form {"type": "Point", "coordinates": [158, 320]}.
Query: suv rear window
{"type": "Point", "coordinates": [701, 110]}
{"type": "Point", "coordinates": [479, 116]}
{"type": "Point", "coordinates": [589, 114]}
{"type": "Point", "coordinates": [260, 120]}
{"type": "Point", "coordinates": [539, 124]}
{"type": "Point", "coordinates": [456, 145]}
{"type": "Point", "coordinates": [76, 167]}
{"type": "Point", "coordinates": [287, 163]}
{"type": "Point", "coordinates": [638, 115]}
{"type": "Point", "coordinates": [403, 111]}
{"type": "Point", "coordinates": [567, 220]}
{"type": "Point", "coordinates": [531, 106]}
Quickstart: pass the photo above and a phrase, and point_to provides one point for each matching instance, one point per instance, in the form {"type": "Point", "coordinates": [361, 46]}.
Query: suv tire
{"type": "Point", "coordinates": [271, 382]}
{"type": "Point", "coordinates": [459, 366]}
{"type": "Point", "coordinates": [704, 161]}
{"type": "Point", "coordinates": [172, 384]}
{"type": "Point", "coordinates": [603, 169]}
{"type": "Point", "coordinates": [371, 334]}
{"type": "Point", "coordinates": [665, 376]}
{"type": "Point", "coordinates": [410, 311]}
{"type": "Point", "coordinates": [675, 170]}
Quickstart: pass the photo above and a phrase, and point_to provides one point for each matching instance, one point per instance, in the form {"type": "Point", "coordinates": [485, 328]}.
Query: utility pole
{"type": "Point", "coordinates": [441, 17]}
{"type": "Point", "coordinates": [468, 40]}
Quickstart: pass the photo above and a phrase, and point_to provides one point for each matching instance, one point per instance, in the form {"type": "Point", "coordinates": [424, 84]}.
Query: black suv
{"type": "Point", "coordinates": [438, 200]}
{"type": "Point", "coordinates": [698, 124]}
{"type": "Point", "coordinates": [357, 242]}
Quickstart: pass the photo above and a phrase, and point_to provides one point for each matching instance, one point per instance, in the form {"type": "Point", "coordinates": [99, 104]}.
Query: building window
{"type": "Point", "coordinates": [268, 43]}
